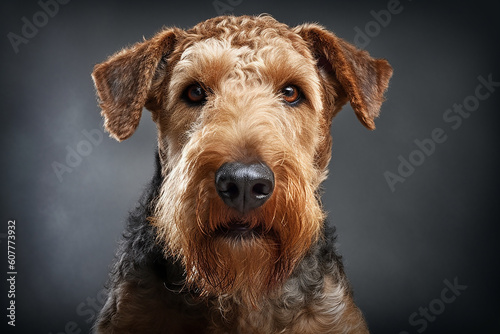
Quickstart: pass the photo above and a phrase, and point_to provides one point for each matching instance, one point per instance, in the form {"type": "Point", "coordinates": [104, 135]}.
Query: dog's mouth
{"type": "Point", "coordinates": [239, 230]}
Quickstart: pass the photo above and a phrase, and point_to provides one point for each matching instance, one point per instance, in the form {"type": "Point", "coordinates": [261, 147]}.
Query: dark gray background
{"type": "Point", "coordinates": [399, 247]}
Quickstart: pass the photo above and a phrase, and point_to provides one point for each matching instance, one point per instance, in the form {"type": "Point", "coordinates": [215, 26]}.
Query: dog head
{"type": "Point", "coordinates": [243, 107]}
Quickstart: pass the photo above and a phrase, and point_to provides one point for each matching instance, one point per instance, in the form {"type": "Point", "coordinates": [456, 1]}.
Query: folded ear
{"type": "Point", "coordinates": [363, 78]}
{"type": "Point", "coordinates": [124, 80]}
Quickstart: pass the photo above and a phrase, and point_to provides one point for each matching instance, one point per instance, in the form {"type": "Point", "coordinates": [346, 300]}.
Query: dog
{"type": "Point", "coordinates": [230, 236]}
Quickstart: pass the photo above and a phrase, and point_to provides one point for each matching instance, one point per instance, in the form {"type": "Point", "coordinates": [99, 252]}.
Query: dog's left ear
{"type": "Point", "coordinates": [363, 78]}
{"type": "Point", "coordinates": [124, 81]}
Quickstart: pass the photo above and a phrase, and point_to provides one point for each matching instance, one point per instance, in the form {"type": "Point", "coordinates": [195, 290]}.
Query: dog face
{"type": "Point", "coordinates": [243, 107]}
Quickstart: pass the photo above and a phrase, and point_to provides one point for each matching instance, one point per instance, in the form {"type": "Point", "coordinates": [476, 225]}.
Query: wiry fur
{"type": "Point", "coordinates": [174, 272]}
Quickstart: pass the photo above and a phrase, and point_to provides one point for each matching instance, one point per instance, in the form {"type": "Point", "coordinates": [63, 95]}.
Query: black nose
{"type": "Point", "coordinates": [244, 186]}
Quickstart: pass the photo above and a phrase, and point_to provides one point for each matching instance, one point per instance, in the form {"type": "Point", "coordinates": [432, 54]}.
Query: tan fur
{"type": "Point", "coordinates": [243, 63]}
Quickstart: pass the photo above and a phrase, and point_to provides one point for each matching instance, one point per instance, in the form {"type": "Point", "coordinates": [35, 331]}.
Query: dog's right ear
{"type": "Point", "coordinates": [124, 81]}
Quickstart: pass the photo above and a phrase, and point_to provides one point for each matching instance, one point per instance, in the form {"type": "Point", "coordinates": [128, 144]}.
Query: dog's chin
{"type": "Point", "coordinates": [239, 257]}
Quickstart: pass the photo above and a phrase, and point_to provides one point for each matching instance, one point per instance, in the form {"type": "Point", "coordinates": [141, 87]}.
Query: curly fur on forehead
{"type": "Point", "coordinates": [261, 37]}
{"type": "Point", "coordinates": [253, 31]}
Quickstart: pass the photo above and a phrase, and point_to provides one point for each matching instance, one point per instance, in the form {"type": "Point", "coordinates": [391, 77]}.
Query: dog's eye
{"type": "Point", "coordinates": [195, 94]}
{"type": "Point", "coordinates": [291, 95]}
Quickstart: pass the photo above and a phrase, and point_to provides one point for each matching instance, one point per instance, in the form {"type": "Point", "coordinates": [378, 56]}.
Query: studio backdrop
{"type": "Point", "coordinates": [414, 201]}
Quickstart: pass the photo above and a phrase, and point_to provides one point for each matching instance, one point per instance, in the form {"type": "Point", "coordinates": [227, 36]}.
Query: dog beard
{"type": "Point", "coordinates": [246, 256]}
{"type": "Point", "coordinates": [247, 268]}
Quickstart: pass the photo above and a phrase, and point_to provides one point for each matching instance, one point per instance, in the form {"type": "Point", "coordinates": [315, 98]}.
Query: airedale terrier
{"type": "Point", "coordinates": [230, 237]}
